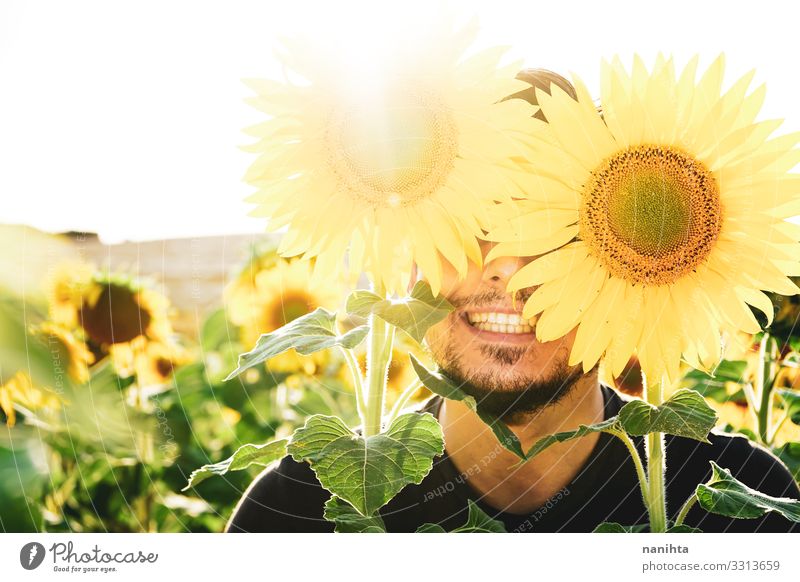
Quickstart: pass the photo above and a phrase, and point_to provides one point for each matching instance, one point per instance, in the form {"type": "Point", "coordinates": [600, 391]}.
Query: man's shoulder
{"type": "Point", "coordinates": [285, 497]}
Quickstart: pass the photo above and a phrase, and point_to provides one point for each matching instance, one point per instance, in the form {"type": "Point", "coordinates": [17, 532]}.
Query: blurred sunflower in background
{"type": "Point", "coordinates": [19, 391]}
{"type": "Point", "coordinates": [327, 172]}
{"type": "Point", "coordinates": [400, 374]}
{"type": "Point", "coordinates": [269, 293]}
{"type": "Point", "coordinates": [67, 350]}
{"type": "Point", "coordinates": [660, 221]}
{"type": "Point", "coordinates": [118, 316]}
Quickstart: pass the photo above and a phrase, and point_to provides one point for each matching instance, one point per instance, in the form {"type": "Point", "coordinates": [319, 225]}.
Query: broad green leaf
{"type": "Point", "coordinates": [726, 495]}
{"type": "Point", "coordinates": [685, 414]}
{"type": "Point", "coordinates": [348, 520]}
{"type": "Point", "coordinates": [791, 403]}
{"type": "Point", "coordinates": [446, 388]}
{"type": "Point", "coordinates": [610, 426]}
{"type": "Point", "coordinates": [477, 522]}
{"type": "Point", "coordinates": [414, 314]}
{"type": "Point", "coordinates": [683, 528]}
{"type": "Point", "coordinates": [307, 334]}
{"type": "Point", "coordinates": [431, 528]}
{"type": "Point", "coordinates": [368, 472]}
{"type": "Point", "coordinates": [244, 457]}
{"type": "Point", "coordinates": [614, 527]}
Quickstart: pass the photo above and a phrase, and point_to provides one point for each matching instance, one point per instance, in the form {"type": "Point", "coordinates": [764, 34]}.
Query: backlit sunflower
{"type": "Point", "coordinates": [152, 362]}
{"type": "Point", "coordinates": [117, 316]}
{"type": "Point", "coordinates": [666, 217]}
{"type": "Point", "coordinates": [279, 294]}
{"type": "Point", "coordinates": [66, 350]}
{"type": "Point", "coordinates": [20, 391]}
{"type": "Point", "coordinates": [395, 166]}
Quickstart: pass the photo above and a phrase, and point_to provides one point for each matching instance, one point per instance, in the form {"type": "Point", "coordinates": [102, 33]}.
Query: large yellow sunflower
{"type": "Point", "coordinates": [666, 217]}
{"type": "Point", "coordinates": [397, 166]}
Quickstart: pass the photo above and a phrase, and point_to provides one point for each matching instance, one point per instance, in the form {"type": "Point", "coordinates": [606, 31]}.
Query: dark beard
{"type": "Point", "coordinates": [512, 401]}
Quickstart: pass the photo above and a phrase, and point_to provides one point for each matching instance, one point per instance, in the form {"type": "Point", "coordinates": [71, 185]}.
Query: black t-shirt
{"type": "Point", "coordinates": [288, 497]}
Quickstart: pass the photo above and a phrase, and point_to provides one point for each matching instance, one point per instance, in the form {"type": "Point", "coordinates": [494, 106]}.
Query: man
{"type": "Point", "coordinates": [571, 486]}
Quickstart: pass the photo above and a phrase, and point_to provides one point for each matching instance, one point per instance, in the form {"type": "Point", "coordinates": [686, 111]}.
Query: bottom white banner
{"type": "Point", "coordinates": [332, 557]}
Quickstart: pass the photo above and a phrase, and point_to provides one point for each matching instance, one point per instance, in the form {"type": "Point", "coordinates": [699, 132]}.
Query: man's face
{"type": "Point", "coordinates": [488, 348]}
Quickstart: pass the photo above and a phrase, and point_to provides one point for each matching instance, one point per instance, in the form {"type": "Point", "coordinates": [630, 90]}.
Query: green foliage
{"type": "Point", "coordinates": [368, 472]}
{"type": "Point", "coordinates": [715, 386]}
{"type": "Point", "coordinates": [614, 527]}
{"type": "Point", "coordinates": [244, 457]}
{"type": "Point", "coordinates": [347, 520]}
{"type": "Point", "coordinates": [307, 334]}
{"type": "Point", "coordinates": [685, 414]}
{"type": "Point", "coordinates": [440, 384]}
{"type": "Point", "coordinates": [477, 522]}
{"type": "Point", "coordinates": [725, 495]}
{"type": "Point", "coordinates": [414, 314]}
{"type": "Point", "coordinates": [790, 400]}
{"type": "Point", "coordinates": [610, 426]}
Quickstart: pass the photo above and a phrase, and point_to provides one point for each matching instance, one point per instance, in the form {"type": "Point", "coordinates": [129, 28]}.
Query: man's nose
{"type": "Point", "coordinates": [500, 270]}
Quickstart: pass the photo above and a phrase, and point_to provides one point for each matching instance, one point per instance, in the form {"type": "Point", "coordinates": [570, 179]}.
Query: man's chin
{"type": "Point", "coordinates": [513, 398]}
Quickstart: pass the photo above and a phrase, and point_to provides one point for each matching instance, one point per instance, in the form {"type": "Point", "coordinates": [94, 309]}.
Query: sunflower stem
{"type": "Point", "coordinates": [764, 380]}
{"type": "Point", "coordinates": [404, 398]}
{"type": "Point", "coordinates": [381, 337]}
{"type": "Point", "coordinates": [656, 463]}
{"type": "Point", "coordinates": [358, 382]}
{"type": "Point", "coordinates": [685, 509]}
{"type": "Point", "coordinates": [637, 461]}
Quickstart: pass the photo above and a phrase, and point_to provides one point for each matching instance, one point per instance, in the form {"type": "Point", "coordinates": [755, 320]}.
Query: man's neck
{"type": "Point", "coordinates": [486, 465]}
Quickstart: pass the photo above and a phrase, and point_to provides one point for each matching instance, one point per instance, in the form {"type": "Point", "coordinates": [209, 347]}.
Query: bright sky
{"type": "Point", "coordinates": [125, 118]}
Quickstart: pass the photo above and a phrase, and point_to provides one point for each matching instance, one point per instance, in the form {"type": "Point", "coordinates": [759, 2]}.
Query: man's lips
{"type": "Point", "coordinates": [498, 325]}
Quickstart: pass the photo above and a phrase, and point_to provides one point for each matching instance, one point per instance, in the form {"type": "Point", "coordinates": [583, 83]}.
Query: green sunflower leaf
{"type": "Point", "coordinates": [368, 472]}
{"type": "Point", "coordinates": [477, 522]}
{"type": "Point", "coordinates": [715, 386]}
{"type": "Point", "coordinates": [348, 520]}
{"type": "Point", "coordinates": [244, 457]}
{"type": "Point", "coordinates": [726, 495]}
{"type": "Point", "coordinates": [683, 528]}
{"type": "Point", "coordinates": [610, 425]}
{"type": "Point", "coordinates": [685, 414]}
{"type": "Point", "coordinates": [614, 527]}
{"type": "Point", "coordinates": [791, 403]}
{"type": "Point", "coordinates": [310, 333]}
{"type": "Point", "coordinates": [789, 453]}
{"type": "Point", "coordinates": [414, 314]}
{"type": "Point", "coordinates": [446, 388]}
{"type": "Point", "coordinates": [431, 528]}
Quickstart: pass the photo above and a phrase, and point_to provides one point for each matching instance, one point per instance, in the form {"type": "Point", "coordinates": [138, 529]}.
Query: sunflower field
{"type": "Point", "coordinates": [107, 410]}
{"type": "Point", "coordinates": [658, 230]}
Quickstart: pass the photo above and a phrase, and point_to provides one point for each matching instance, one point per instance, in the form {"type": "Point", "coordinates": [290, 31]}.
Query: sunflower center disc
{"type": "Point", "coordinates": [651, 214]}
{"type": "Point", "coordinates": [395, 153]}
{"type": "Point", "coordinates": [290, 306]}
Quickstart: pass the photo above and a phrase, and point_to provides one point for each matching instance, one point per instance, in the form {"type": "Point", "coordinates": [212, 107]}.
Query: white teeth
{"type": "Point", "coordinates": [499, 322]}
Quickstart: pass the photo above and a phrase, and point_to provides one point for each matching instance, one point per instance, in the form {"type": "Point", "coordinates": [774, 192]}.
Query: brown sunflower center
{"type": "Point", "coordinates": [289, 307]}
{"type": "Point", "coordinates": [393, 152]}
{"type": "Point", "coordinates": [116, 316]}
{"type": "Point", "coordinates": [651, 214]}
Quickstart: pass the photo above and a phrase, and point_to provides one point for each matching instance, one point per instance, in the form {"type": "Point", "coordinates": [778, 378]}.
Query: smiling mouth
{"type": "Point", "coordinates": [498, 322]}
